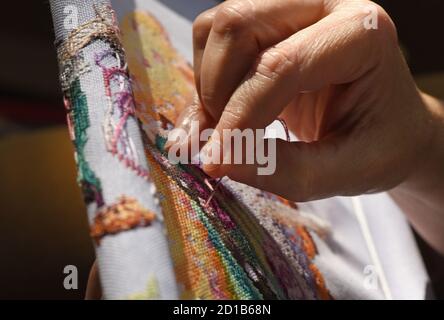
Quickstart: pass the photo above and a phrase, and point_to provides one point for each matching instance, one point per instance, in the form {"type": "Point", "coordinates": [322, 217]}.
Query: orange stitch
{"type": "Point", "coordinates": [126, 214]}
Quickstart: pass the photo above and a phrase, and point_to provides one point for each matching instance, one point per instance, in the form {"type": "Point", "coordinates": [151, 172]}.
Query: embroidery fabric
{"type": "Point", "coordinates": [241, 243]}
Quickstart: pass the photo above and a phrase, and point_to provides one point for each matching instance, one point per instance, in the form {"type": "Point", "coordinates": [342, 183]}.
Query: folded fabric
{"type": "Point", "coordinates": [165, 231]}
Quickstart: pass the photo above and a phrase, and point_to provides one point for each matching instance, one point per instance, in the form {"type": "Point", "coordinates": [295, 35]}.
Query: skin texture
{"type": "Point", "coordinates": [344, 90]}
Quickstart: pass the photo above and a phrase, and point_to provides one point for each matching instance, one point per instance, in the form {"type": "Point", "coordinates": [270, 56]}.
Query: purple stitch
{"type": "Point", "coordinates": [123, 99]}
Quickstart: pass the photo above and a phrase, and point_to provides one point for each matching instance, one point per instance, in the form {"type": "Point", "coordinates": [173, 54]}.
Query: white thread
{"type": "Point", "coordinates": [362, 220]}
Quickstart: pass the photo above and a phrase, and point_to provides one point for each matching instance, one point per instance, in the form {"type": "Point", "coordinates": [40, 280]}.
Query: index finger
{"type": "Point", "coordinates": [239, 31]}
{"type": "Point", "coordinates": [336, 49]}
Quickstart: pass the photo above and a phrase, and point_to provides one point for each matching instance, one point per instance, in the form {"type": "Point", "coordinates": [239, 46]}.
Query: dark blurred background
{"type": "Point", "coordinates": [43, 223]}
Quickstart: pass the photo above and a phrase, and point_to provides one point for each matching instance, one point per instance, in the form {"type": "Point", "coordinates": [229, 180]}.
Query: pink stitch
{"type": "Point", "coordinates": [123, 99]}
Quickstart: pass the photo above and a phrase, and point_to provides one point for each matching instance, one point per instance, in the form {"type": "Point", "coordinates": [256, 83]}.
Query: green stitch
{"type": "Point", "coordinates": [235, 236]}
{"type": "Point", "coordinates": [242, 285]}
{"type": "Point", "coordinates": [160, 142]}
{"type": "Point", "coordinates": [87, 179]}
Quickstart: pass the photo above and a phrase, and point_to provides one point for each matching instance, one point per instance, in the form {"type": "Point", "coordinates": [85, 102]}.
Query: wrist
{"type": "Point", "coordinates": [421, 195]}
{"type": "Point", "coordinates": [429, 171]}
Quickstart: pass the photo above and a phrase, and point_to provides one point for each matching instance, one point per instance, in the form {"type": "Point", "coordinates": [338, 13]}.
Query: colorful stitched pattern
{"type": "Point", "coordinates": [167, 88]}
{"type": "Point", "coordinates": [120, 97]}
{"type": "Point", "coordinates": [72, 66]}
{"type": "Point", "coordinates": [240, 244]}
{"type": "Point", "coordinates": [227, 240]}
{"type": "Point", "coordinates": [125, 213]}
{"type": "Point", "coordinates": [78, 121]}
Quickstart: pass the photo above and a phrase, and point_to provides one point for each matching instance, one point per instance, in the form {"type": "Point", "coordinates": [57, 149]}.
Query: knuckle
{"type": "Point", "coordinates": [230, 117]}
{"type": "Point", "coordinates": [232, 18]}
{"type": "Point", "coordinates": [211, 102]}
{"type": "Point", "coordinates": [207, 98]}
{"type": "Point", "coordinates": [274, 63]}
{"type": "Point", "coordinates": [202, 26]}
{"type": "Point", "coordinates": [384, 25]}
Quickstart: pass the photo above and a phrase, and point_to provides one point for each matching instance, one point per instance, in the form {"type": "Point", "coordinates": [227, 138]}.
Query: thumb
{"type": "Point", "coordinates": [309, 171]}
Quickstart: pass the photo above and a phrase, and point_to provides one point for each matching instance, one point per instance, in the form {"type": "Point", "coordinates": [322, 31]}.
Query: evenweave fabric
{"type": "Point", "coordinates": [112, 166]}
{"type": "Point", "coordinates": [159, 229]}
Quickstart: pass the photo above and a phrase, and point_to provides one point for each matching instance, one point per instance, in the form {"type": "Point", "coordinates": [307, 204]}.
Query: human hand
{"type": "Point", "coordinates": [343, 89]}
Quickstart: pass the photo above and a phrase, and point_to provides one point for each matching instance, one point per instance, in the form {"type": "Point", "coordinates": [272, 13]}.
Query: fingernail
{"type": "Point", "coordinates": [189, 121]}
{"type": "Point", "coordinates": [211, 156]}
{"type": "Point", "coordinates": [183, 122]}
